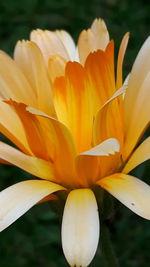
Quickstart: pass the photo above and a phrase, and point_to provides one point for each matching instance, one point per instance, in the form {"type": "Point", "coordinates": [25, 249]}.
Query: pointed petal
{"type": "Point", "coordinates": [93, 39]}
{"type": "Point", "coordinates": [141, 154]}
{"type": "Point", "coordinates": [109, 146]}
{"type": "Point", "coordinates": [56, 67]}
{"type": "Point", "coordinates": [29, 58]}
{"type": "Point", "coordinates": [132, 192]}
{"type": "Point", "coordinates": [13, 83]}
{"type": "Point", "coordinates": [80, 227]}
{"type": "Point", "coordinates": [19, 198]}
{"type": "Point", "coordinates": [121, 55]}
{"type": "Point", "coordinates": [49, 43]}
{"type": "Point", "coordinates": [38, 167]}
{"type": "Point", "coordinates": [137, 108]}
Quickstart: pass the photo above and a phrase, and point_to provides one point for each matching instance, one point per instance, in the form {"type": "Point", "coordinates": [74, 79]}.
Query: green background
{"type": "Point", "coordinates": [34, 240]}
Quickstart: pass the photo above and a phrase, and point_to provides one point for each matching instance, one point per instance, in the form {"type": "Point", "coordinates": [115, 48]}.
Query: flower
{"type": "Point", "coordinates": [74, 131]}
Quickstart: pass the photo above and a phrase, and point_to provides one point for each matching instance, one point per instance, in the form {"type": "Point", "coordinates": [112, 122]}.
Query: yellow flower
{"type": "Point", "coordinates": [74, 131]}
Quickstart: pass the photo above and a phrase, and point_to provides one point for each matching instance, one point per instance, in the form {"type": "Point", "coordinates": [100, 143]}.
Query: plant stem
{"type": "Point", "coordinates": [107, 248]}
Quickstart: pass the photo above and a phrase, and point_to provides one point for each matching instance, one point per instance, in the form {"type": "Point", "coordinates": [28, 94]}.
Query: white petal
{"type": "Point", "coordinates": [19, 198]}
{"type": "Point", "coordinates": [80, 227]}
{"type": "Point", "coordinates": [109, 146]}
{"type": "Point", "coordinates": [132, 192]}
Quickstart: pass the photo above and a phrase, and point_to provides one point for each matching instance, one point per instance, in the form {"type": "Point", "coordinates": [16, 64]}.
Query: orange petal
{"type": "Point", "coordinates": [72, 98]}
{"type": "Point", "coordinates": [141, 154]}
{"type": "Point", "coordinates": [59, 142]}
{"type": "Point", "coordinates": [33, 130]}
{"type": "Point", "coordinates": [132, 192]}
{"type": "Point", "coordinates": [13, 83]}
{"type": "Point", "coordinates": [19, 198]}
{"type": "Point", "coordinates": [33, 165]}
{"type": "Point", "coordinates": [29, 58]}
{"type": "Point", "coordinates": [12, 128]}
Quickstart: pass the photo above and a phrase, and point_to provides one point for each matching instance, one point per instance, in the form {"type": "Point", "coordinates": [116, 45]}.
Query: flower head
{"type": "Point", "coordinates": [75, 125]}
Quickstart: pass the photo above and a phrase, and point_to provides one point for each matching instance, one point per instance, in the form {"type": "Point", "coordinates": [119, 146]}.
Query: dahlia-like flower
{"type": "Point", "coordinates": [74, 131]}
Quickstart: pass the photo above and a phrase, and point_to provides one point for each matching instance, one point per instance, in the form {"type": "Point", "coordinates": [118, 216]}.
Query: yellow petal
{"type": "Point", "coordinates": [109, 146]}
{"type": "Point", "coordinates": [141, 154]}
{"type": "Point", "coordinates": [121, 54]}
{"type": "Point", "coordinates": [139, 116]}
{"type": "Point", "coordinates": [132, 192]}
{"type": "Point", "coordinates": [93, 39]}
{"type": "Point", "coordinates": [19, 198]}
{"type": "Point", "coordinates": [29, 58]}
{"type": "Point", "coordinates": [80, 227]}
{"type": "Point", "coordinates": [56, 67]}
{"type": "Point", "coordinates": [136, 98]}
{"type": "Point", "coordinates": [13, 83]}
{"type": "Point", "coordinates": [33, 165]}
{"type": "Point", "coordinates": [49, 43]}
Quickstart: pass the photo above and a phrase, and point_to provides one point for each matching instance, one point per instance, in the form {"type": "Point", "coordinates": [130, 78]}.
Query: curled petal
{"type": "Point", "coordinates": [80, 227]}
{"type": "Point", "coordinates": [109, 146]}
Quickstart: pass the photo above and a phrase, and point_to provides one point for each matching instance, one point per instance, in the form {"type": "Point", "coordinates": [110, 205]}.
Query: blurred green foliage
{"type": "Point", "coordinates": [34, 240]}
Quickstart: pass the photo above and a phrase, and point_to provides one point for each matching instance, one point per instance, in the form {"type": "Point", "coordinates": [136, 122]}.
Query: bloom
{"type": "Point", "coordinates": [75, 126]}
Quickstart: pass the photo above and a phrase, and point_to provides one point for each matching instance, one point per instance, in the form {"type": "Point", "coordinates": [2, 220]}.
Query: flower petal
{"type": "Point", "coordinates": [121, 54]}
{"type": "Point", "coordinates": [38, 167]}
{"type": "Point", "coordinates": [13, 83]}
{"type": "Point", "coordinates": [12, 128]}
{"type": "Point", "coordinates": [30, 60]}
{"type": "Point", "coordinates": [93, 39]}
{"type": "Point", "coordinates": [56, 67]}
{"type": "Point", "coordinates": [137, 108]}
{"type": "Point", "coordinates": [141, 154]}
{"type": "Point", "coordinates": [80, 227]}
{"type": "Point", "coordinates": [132, 192]}
{"type": "Point", "coordinates": [139, 116]}
{"type": "Point", "coordinates": [49, 43]}
{"type": "Point", "coordinates": [107, 147]}
{"type": "Point", "coordinates": [19, 198]}
{"type": "Point", "coordinates": [61, 146]}
{"type": "Point", "coordinates": [68, 43]}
